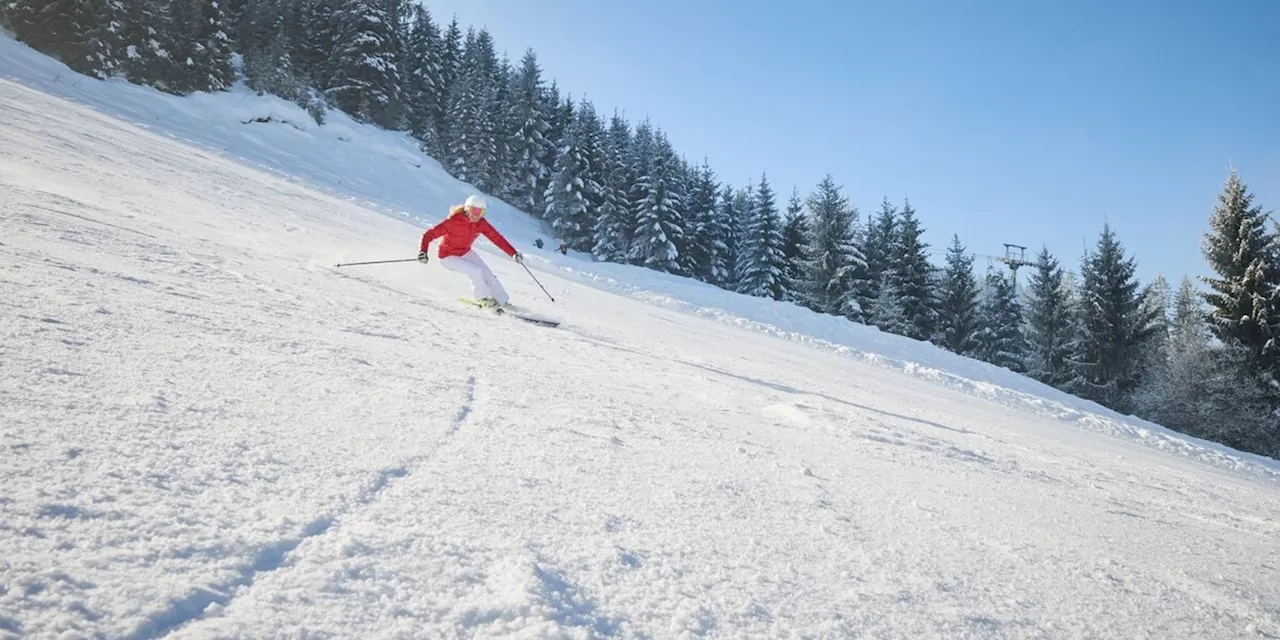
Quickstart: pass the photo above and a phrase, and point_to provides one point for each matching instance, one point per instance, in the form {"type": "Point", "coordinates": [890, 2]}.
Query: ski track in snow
{"type": "Point", "coordinates": [208, 431]}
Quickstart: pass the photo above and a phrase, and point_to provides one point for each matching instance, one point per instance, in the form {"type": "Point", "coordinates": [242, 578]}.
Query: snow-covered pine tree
{"type": "Point", "coordinates": [1174, 388]}
{"type": "Point", "coordinates": [879, 248]}
{"type": "Point", "coordinates": [237, 12]}
{"type": "Point", "coordinates": [795, 237]}
{"type": "Point", "coordinates": [958, 319]}
{"type": "Point", "coordinates": [885, 310]}
{"type": "Point", "coordinates": [1156, 300]}
{"type": "Point", "coordinates": [1106, 365]}
{"type": "Point", "coordinates": [422, 77]}
{"type": "Point", "coordinates": [558, 111]}
{"type": "Point", "coordinates": [531, 152]}
{"type": "Point", "coordinates": [591, 136]}
{"type": "Point", "coordinates": [568, 197]}
{"type": "Point", "coordinates": [727, 218]}
{"type": "Point", "coordinates": [915, 276]}
{"type": "Point", "coordinates": [659, 220]}
{"type": "Point", "coordinates": [615, 222]}
{"type": "Point", "coordinates": [761, 262]}
{"type": "Point", "coordinates": [209, 58]}
{"type": "Point", "coordinates": [366, 75]}
{"type": "Point", "coordinates": [638, 165]}
{"type": "Point", "coordinates": [83, 34]}
{"type": "Point", "coordinates": [716, 230]}
{"type": "Point", "coordinates": [1050, 325]}
{"type": "Point", "coordinates": [319, 36]}
{"type": "Point", "coordinates": [471, 149]}
{"type": "Point", "coordinates": [1242, 254]}
{"type": "Point", "coordinates": [106, 45]}
{"type": "Point", "coordinates": [559, 108]}
{"type": "Point", "coordinates": [1000, 342]}
{"type": "Point", "coordinates": [255, 24]}
{"type": "Point", "coordinates": [744, 207]}
{"type": "Point", "coordinates": [185, 26]}
{"type": "Point", "coordinates": [266, 42]}
{"type": "Point", "coordinates": [146, 58]}
{"type": "Point", "coordinates": [470, 142]}
{"type": "Point", "coordinates": [502, 113]}
{"type": "Point", "coordinates": [451, 49]}
{"type": "Point", "coordinates": [702, 245]}
{"type": "Point", "coordinates": [832, 265]}
{"type": "Point", "coordinates": [681, 185]}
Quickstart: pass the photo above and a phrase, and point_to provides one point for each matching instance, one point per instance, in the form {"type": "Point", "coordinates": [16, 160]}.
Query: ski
{"type": "Point", "coordinates": [502, 311]}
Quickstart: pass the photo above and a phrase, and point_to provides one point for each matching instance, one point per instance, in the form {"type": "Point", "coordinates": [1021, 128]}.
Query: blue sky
{"type": "Point", "coordinates": [1024, 122]}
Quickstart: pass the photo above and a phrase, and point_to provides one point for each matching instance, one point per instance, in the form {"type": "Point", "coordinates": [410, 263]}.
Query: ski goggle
{"type": "Point", "coordinates": [474, 213]}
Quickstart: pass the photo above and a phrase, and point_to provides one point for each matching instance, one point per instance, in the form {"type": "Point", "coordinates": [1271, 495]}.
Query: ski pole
{"type": "Point", "coordinates": [353, 264]}
{"type": "Point", "coordinates": [535, 279]}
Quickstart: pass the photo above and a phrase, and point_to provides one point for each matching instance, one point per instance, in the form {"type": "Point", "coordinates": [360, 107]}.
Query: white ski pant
{"type": "Point", "coordinates": [483, 282]}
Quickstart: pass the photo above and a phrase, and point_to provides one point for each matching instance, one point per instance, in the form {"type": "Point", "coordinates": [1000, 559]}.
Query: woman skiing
{"type": "Point", "coordinates": [458, 231]}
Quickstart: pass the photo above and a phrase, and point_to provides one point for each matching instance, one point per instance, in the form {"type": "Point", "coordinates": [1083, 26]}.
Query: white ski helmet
{"type": "Point", "coordinates": [477, 202]}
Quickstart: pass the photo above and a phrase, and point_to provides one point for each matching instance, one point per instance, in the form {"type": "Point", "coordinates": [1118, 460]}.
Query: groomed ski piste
{"type": "Point", "coordinates": [208, 430]}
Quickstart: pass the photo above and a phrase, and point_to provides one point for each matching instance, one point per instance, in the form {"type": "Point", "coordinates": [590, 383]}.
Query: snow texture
{"type": "Point", "coordinates": [208, 430]}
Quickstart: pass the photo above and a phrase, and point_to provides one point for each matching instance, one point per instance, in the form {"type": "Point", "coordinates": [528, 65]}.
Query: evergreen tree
{"type": "Point", "coordinates": [639, 164]}
{"type": "Point", "coordinates": [615, 222]}
{"type": "Point", "coordinates": [423, 80]}
{"type": "Point", "coordinates": [879, 247]}
{"type": "Point", "coordinates": [146, 57]}
{"type": "Point", "coordinates": [744, 203]}
{"type": "Point", "coordinates": [1241, 300]}
{"type": "Point", "coordinates": [530, 150]}
{"type": "Point", "coordinates": [1175, 390]}
{"type": "Point", "coordinates": [1156, 298]}
{"type": "Point", "coordinates": [1049, 326]}
{"type": "Point", "coordinates": [207, 63]}
{"type": "Point", "coordinates": [795, 235]}
{"type": "Point", "coordinates": [1106, 364]}
{"type": "Point", "coordinates": [591, 134]}
{"type": "Point", "coordinates": [885, 310]}
{"type": "Point", "coordinates": [366, 77]}
{"type": "Point", "coordinates": [659, 224]}
{"type": "Point", "coordinates": [1000, 341]}
{"type": "Point", "coordinates": [450, 75]}
{"type": "Point", "coordinates": [568, 197]}
{"type": "Point", "coordinates": [320, 35]}
{"type": "Point", "coordinates": [682, 184]}
{"type": "Point", "coordinates": [256, 24]}
{"type": "Point", "coordinates": [471, 152]}
{"type": "Point", "coordinates": [833, 265]}
{"type": "Point", "coordinates": [704, 253]}
{"type": "Point", "coordinates": [761, 262]}
{"type": "Point", "coordinates": [727, 219]}
{"type": "Point", "coordinates": [237, 12]}
{"type": "Point", "coordinates": [559, 109]}
{"type": "Point", "coordinates": [471, 149]}
{"type": "Point", "coordinates": [266, 41]}
{"type": "Point", "coordinates": [502, 113]}
{"type": "Point", "coordinates": [915, 276]}
{"type": "Point", "coordinates": [716, 231]}
{"type": "Point", "coordinates": [83, 34]}
{"type": "Point", "coordinates": [958, 324]}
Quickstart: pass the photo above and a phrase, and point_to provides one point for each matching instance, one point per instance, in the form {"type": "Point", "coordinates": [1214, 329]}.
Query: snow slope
{"type": "Point", "coordinates": [206, 430]}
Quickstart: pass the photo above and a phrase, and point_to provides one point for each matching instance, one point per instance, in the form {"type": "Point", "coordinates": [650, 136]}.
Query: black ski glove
{"type": "Point", "coordinates": [422, 257]}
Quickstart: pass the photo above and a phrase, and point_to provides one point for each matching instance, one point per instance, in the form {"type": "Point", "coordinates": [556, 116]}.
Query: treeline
{"type": "Point", "coordinates": [1204, 362]}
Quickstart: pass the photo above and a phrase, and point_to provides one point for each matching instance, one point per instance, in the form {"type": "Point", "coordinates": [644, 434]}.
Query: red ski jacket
{"type": "Point", "coordinates": [459, 234]}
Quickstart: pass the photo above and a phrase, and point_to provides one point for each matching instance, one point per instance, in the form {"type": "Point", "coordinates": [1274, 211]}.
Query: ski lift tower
{"type": "Point", "coordinates": [1015, 256]}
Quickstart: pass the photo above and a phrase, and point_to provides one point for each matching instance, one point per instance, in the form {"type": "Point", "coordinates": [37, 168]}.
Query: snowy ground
{"type": "Point", "coordinates": [206, 430]}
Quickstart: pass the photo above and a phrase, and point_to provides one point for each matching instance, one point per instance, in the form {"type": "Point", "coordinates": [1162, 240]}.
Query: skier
{"type": "Point", "coordinates": [458, 231]}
